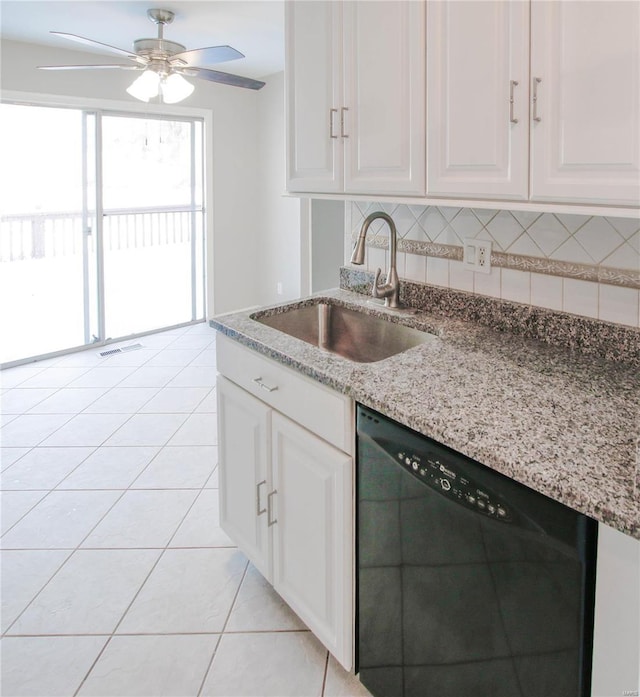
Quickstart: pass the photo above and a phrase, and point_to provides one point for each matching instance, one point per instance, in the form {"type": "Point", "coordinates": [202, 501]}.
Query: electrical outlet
{"type": "Point", "coordinates": [477, 255]}
{"type": "Point", "coordinates": [279, 287]}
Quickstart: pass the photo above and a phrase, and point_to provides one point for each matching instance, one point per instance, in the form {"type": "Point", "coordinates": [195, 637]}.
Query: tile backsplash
{"type": "Point", "coordinates": [585, 265]}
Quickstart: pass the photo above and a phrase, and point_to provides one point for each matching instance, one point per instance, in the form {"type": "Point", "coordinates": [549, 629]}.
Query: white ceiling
{"type": "Point", "coordinates": [254, 27]}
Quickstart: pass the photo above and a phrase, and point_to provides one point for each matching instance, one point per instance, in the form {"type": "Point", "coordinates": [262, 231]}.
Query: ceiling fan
{"type": "Point", "coordinates": [164, 63]}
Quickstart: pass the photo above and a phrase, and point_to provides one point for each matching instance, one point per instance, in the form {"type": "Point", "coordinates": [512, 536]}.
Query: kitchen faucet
{"type": "Point", "coordinates": [391, 289]}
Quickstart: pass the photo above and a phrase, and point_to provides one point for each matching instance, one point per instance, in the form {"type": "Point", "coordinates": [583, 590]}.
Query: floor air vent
{"type": "Point", "coordinates": [122, 349]}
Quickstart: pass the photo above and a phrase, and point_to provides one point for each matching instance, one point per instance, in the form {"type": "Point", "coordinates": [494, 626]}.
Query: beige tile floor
{"type": "Point", "coordinates": [116, 577]}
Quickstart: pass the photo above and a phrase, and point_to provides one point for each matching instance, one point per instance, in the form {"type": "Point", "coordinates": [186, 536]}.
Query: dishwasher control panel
{"type": "Point", "coordinates": [443, 478]}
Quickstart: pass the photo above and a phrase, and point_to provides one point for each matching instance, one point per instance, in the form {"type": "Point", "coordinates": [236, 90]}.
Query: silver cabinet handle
{"type": "Point", "coordinates": [271, 521]}
{"type": "Point", "coordinates": [342, 112]}
{"type": "Point", "coordinates": [331, 113]}
{"type": "Point", "coordinates": [264, 386]}
{"type": "Point", "coordinates": [512, 85]}
{"type": "Point", "coordinates": [259, 511]}
{"type": "Point", "coordinates": [536, 82]}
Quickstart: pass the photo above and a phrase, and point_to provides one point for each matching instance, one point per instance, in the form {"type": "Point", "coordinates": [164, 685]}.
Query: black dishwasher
{"type": "Point", "coordinates": [469, 583]}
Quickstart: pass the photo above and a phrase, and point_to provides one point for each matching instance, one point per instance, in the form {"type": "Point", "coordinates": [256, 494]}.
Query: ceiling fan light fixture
{"type": "Point", "coordinates": [175, 88]}
{"type": "Point", "coordinates": [163, 63]}
{"type": "Point", "coordinates": [146, 86]}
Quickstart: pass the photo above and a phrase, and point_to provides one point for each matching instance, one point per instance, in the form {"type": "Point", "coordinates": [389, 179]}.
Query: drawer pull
{"type": "Point", "coordinates": [264, 386]}
{"type": "Point", "coordinates": [259, 510]}
{"type": "Point", "coordinates": [271, 521]}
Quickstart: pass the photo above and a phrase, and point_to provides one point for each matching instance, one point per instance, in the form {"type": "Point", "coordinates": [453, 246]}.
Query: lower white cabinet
{"type": "Point", "coordinates": [244, 444]}
{"type": "Point", "coordinates": [311, 542]}
{"type": "Point", "coordinates": [286, 499]}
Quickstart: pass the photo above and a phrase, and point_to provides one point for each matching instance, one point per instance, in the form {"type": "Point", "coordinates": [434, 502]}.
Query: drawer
{"type": "Point", "coordinates": [316, 407]}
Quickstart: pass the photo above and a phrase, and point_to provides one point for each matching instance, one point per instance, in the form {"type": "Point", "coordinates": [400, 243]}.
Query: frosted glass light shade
{"type": "Point", "coordinates": [175, 88]}
{"type": "Point", "coordinates": [146, 86]}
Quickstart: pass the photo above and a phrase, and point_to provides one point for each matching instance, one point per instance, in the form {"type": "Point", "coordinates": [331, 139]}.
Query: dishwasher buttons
{"type": "Point", "coordinates": [445, 484]}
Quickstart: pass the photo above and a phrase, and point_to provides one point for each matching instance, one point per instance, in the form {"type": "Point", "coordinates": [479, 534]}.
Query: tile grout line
{"type": "Point", "coordinates": [39, 501]}
{"type": "Point", "coordinates": [137, 593]}
{"type": "Point", "coordinates": [55, 573]}
{"type": "Point", "coordinates": [79, 547]}
{"type": "Point", "coordinates": [324, 676]}
{"type": "Point", "coordinates": [166, 445]}
{"type": "Point", "coordinates": [150, 634]}
{"type": "Point", "coordinates": [74, 550]}
{"type": "Point", "coordinates": [224, 626]}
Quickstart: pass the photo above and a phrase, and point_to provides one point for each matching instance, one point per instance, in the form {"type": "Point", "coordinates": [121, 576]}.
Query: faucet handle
{"type": "Point", "coordinates": [376, 284]}
{"type": "Point", "coordinates": [380, 290]}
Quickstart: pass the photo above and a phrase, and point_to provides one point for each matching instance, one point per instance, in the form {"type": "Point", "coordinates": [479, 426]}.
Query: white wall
{"type": "Point", "coordinates": [278, 223]}
{"type": "Point", "coordinates": [327, 225]}
{"type": "Point", "coordinates": [233, 149]}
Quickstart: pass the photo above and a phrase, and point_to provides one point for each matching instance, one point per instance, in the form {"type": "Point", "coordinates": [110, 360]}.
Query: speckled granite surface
{"type": "Point", "coordinates": [590, 336]}
{"type": "Point", "coordinates": [564, 423]}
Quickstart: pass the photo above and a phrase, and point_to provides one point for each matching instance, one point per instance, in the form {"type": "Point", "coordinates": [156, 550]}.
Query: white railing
{"type": "Point", "coordinates": [48, 235]}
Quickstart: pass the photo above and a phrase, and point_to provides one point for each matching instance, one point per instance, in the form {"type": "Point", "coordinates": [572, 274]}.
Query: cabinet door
{"type": "Point", "coordinates": [384, 73]}
{"type": "Point", "coordinates": [312, 538]}
{"type": "Point", "coordinates": [477, 140]}
{"type": "Point", "coordinates": [314, 96]}
{"type": "Point", "coordinates": [244, 444]}
{"type": "Point", "coordinates": [586, 143]}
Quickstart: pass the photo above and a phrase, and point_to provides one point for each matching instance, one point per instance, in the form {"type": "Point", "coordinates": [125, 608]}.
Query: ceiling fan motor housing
{"type": "Point", "coordinates": [157, 48]}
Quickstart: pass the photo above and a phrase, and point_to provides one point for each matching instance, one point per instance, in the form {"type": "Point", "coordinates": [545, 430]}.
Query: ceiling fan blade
{"type": "Point", "coordinates": [89, 67]}
{"type": "Point", "coordinates": [91, 42]}
{"type": "Point", "coordinates": [207, 56]}
{"type": "Point", "coordinates": [225, 78]}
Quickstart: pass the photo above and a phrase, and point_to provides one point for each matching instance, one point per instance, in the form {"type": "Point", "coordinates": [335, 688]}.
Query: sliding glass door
{"type": "Point", "coordinates": [152, 223]}
{"type": "Point", "coordinates": [102, 227]}
{"type": "Point", "coordinates": [45, 245]}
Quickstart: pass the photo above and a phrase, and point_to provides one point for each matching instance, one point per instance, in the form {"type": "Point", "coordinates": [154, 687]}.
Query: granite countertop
{"type": "Point", "coordinates": [563, 423]}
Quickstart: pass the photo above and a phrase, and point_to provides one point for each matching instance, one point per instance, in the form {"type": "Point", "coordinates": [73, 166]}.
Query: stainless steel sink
{"type": "Point", "coordinates": [354, 335]}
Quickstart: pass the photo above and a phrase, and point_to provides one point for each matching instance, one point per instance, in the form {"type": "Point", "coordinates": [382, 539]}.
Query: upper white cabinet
{"type": "Point", "coordinates": [585, 66]}
{"type": "Point", "coordinates": [525, 101]}
{"type": "Point", "coordinates": [478, 99]}
{"type": "Point", "coordinates": [566, 130]}
{"type": "Point", "coordinates": [355, 97]}
{"type": "Point", "coordinates": [314, 96]}
{"type": "Point", "coordinates": [384, 92]}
